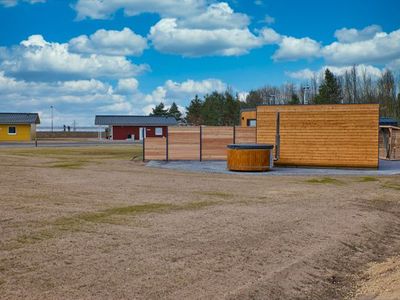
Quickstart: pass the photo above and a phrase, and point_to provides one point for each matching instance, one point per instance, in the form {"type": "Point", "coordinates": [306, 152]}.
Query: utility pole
{"type": "Point", "coordinates": [52, 128]}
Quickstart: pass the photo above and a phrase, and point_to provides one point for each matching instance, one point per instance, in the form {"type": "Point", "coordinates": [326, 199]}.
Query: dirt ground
{"type": "Point", "coordinates": [92, 223]}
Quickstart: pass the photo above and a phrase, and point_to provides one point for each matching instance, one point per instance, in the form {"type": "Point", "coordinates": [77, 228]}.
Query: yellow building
{"type": "Point", "coordinates": [18, 126]}
{"type": "Point", "coordinates": [248, 117]}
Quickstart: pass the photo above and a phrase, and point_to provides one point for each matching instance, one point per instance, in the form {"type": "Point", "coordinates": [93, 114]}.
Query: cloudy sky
{"type": "Point", "coordinates": [88, 57]}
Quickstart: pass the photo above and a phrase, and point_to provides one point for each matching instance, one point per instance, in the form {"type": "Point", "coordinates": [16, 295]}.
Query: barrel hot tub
{"type": "Point", "coordinates": [250, 157]}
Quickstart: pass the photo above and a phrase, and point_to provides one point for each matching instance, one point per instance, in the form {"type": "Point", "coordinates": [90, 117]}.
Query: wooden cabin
{"type": "Point", "coordinates": [18, 127]}
{"type": "Point", "coordinates": [342, 135]}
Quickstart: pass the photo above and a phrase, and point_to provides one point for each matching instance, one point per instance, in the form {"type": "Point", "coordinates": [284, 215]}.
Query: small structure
{"type": "Point", "coordinates": [134, 127]}
{"type": "Point", "coordinates": [18, 126]}
{"type": "Point", "coordinates": [389, 142]}
{"type": "Point", "coordinates": [248, 117]}
{"type": "Point", "coordinates": [383, 121]}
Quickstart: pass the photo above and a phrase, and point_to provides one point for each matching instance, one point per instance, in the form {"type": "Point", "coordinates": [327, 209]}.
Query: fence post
{"type": "Point", "coordinates": [144, 146]}
{"type": "Point", "coordinates": [234, 134]}
{"type": "Point", "coordinates": [201, 143]}
{"type": "Point", "coordinates": [167, 145]}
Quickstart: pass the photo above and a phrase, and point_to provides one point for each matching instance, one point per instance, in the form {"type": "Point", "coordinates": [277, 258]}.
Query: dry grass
{"type": "Point", "coordinates": [77, 157]}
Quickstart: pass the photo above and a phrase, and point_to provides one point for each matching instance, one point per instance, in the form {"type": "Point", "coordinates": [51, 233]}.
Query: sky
{"type": "Point", "coordinates": [88, 57]}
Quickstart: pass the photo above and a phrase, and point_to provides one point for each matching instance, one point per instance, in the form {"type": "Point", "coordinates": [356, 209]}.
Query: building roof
{"type": "Point", "coordinates": [135, 120]}
{"type": "Point", "coordinates": [387, 121]}
{"type": "Point", "coordinates": [19, 118]}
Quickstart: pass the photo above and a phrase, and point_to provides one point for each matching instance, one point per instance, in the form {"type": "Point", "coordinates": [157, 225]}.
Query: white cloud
{"type": "Point", "coordinates": [306, 74]}
{"type": "Point", "coordinates": [291, 48]}
{"type": "Point", "coordinates": [366, 46]}
{"type": "Point", "coordinates": [168, 37]}
{"type": "Point", "coordinates": [81, 99]}
{"type": "Point", "coordinates": [217, 15]}
{"type": "Point", "coordinates": [110, 42]}
{"type": "Point", "coordinates": [191, 87]}
{"type": "Point", "coordinates": [270, 36]}
{"type": "Point", "coordinates": [11, 3]}
{"type": "Point", "coordinates": [351, 35]}
{"type": "Point", "coordinates": [99, 9]}
{"type": "Point", "coordinates": [127, 86]}
{"type": "Point", "coordinates": [182, 92]}
{"type": "Point", "coordinates": [268, 20]}
{"type": "Point", "coordinates": [381, 48]}
{"type": "Point", "coordinates": [37, 59]}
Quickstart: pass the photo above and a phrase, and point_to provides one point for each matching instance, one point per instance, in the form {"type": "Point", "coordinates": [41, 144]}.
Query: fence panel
{"type": "Point", "coordinates": [184, 143]}
{"type": "Point", "coordinates": [155, 148]}
{"type": "Point", "coordinates": [245, 135]}
{"type": "Point", "coordinates": [214, 141]}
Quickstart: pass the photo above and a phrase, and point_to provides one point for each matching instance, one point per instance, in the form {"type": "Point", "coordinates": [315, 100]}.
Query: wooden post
{"type": "Point", "coordinates": [201, 143]}
{"type": "Point", "coordinates": [278, 136]}
{"type": "Point", "coordinates": [234, 134]}
{"type": "Point", "coordinates": [167, 146]}
{"type": "Point", "coordinates": [144, 145]}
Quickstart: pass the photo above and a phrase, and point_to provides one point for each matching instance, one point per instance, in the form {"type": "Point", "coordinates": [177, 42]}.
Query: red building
{"type": "Point", "coordinates": [134, 127]}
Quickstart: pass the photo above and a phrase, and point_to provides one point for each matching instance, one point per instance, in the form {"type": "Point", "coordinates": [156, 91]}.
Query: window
{"type": "Point", "coordinates": [12, 130]}
{"type": "Point", "coordinates": [159, 131]}
{"type": "Point", "coordinates": [251, 122]}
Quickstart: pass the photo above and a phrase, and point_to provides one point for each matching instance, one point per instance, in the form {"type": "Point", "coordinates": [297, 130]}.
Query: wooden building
{"type": "Point", "coordinates": [134, 127]}
{"type": "Point", "coordinates": [248, 117]}
{"type": "Point", "coordinates": [18, 126]}
{"type": "Point", "coordinates": [343, 135]}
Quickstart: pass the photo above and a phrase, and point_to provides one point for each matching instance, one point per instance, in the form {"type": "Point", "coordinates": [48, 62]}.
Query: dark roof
{"type": "Point", "coordinates": [248, 109]}
{"type": "Point", "coordinates": [388, 121]}
{"type": "Point", "coordinates": [135, 120]}
{"type": "Point", "coordinates": [19, 118]}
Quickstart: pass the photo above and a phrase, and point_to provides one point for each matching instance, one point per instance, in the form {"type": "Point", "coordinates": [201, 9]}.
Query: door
{"type": "Point", "coordinates": [141, 131]}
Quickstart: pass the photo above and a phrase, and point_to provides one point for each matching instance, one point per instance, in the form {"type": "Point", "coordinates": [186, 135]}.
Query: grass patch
{"type": "Point", "coordinates": [325, 180]}
{"type": "Point", "coordinates": [367, 179]}
{"type": "Point", "coordinates": [79, 153]}
{"type": "Point", "coordinates": [69, 165]}
{"type": "Point", "coordinates": [391, 185]}
{"type": "Point", "coordinates": [77, 222]}
{"type": "Point", "coordinates": [217, 194]}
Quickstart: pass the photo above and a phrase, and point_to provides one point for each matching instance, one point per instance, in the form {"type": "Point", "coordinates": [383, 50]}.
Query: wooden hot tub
{"type": "Point", "coordinates": [250, 157]}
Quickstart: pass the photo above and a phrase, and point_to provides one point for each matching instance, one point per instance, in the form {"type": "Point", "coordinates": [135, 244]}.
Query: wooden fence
{"type": "Point", "coordinates": [196, 143]}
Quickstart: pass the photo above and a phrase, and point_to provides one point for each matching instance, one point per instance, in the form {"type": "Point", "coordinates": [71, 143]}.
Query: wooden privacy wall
{"type": "Point", "coordinates": [245, 135]}
{"type": "Point", "coordinates": [214, 142]}
{"type": "Point", "coordinates": [196, 143]}
{"type": "Point", "coordinates": [322, 135]}
{"type": "Point", "coordinates": [155, 148]}
{"type": "Point", "coordinates": [183, 143]}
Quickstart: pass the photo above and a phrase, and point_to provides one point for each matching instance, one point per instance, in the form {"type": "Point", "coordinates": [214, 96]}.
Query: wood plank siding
{"type": "Point", "coordinates": [322, 135]}
{"type": "Point", "coordinates": [247, 115]}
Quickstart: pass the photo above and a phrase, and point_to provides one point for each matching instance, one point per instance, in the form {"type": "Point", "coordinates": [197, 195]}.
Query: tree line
{"type": "Point", "coordinates": [223, 108]}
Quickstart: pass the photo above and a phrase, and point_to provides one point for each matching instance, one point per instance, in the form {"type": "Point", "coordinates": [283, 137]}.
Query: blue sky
{"type": "Point", "coordinates": [88, 57]}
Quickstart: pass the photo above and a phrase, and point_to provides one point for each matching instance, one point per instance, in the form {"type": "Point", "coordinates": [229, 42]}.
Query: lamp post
{"type": "Point", "coordinates": [305, 88]}
{"type": "Point", "coordinates": [52, 128]}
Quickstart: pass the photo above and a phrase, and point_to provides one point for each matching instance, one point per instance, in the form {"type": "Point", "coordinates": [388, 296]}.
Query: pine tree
{"type": "Point", "coordinates": [174, 112]}
{"type": "Point", "coordinates": [193, 111]}
{"type": "Point", "coordinates": [231, 109]}
{"type": "Point", "coordinates": [159, 110]}
{"type": "Point", "coordinates": [294, 99]}
{"type": "Point", "coordinates": [329, 90]}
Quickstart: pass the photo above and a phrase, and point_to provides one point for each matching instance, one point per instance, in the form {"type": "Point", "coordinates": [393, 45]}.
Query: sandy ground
{"type": "Point", "coordinates": [90, 223]}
